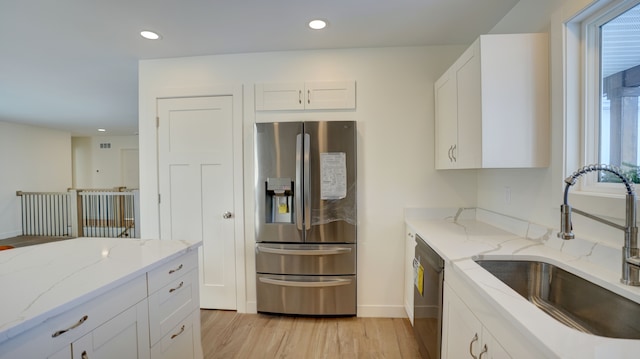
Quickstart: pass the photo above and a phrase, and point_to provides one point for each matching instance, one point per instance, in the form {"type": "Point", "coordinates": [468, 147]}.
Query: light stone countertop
{"type": "Point", "coordinates": [41, 281]}
{"type": "Point", "coordinates": [459, 242]}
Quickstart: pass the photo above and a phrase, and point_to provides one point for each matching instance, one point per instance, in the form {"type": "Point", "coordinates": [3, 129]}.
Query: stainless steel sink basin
{"type": "Point", "coordinates": [571, 300]}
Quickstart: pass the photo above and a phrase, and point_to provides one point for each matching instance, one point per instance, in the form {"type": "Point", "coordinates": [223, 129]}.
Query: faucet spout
{"type": "Point", "coordinates": [630, 251]}
{"type": "Point", "coordinates": [566, 227]}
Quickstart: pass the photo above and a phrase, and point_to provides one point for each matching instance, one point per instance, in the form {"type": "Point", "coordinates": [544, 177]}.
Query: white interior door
{"type": "Point", "coordinates": [196, 178]}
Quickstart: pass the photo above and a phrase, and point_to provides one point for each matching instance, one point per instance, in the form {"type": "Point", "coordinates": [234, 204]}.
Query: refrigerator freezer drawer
{"type": "Point", "coordinates": [306, 295]}
{"type": "Point", "coordinates": [306, 259]}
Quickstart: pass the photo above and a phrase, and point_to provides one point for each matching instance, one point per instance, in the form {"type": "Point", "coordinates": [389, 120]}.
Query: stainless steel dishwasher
{"type": "Point", "coordinates": [427, 300]}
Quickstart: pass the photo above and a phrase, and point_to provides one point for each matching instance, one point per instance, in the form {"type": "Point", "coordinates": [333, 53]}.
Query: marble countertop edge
{"type": "Point", "coordinates": [462, 242]}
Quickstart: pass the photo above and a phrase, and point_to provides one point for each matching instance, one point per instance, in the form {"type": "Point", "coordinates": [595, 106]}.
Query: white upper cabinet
{"type": "Point", "coordinates": [492, 105]}
{"type": "Point", "coordinates": [334, 95]}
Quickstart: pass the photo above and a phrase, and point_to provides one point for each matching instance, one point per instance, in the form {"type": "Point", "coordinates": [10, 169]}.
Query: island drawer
{"type": "Point", "coordinates": [171, 270]}
{"type": "Point", "coordinates": [77, 322]}
{"type": "Point", "coordinates": [59, 331]}
{"type": "Point", "coordinates": [172, 303]}
{"type": "Point", "coordinates": [182, 341]}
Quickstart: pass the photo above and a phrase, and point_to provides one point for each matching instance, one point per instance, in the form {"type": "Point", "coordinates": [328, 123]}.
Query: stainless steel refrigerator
{"type": "Point", "coordinates": [305, 180]}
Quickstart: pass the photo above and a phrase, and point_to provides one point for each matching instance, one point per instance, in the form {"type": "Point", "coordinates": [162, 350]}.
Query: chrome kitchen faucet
{"type": "Point", "coordinates": [630, 251]}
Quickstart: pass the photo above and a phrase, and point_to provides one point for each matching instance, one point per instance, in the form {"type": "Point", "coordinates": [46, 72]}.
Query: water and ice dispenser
{"type": "Point", "coordinates": [279, 198]}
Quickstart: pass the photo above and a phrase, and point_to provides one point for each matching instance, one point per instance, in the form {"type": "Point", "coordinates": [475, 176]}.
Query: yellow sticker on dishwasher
{"type": "Point", "coordinates": [420, 280]}
{"type": "Point", "coordinates": [283, 208]}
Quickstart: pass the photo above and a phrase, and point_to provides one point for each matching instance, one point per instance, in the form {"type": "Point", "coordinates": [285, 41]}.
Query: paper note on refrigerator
{"type": "Point", "coordinates": [333, 175]}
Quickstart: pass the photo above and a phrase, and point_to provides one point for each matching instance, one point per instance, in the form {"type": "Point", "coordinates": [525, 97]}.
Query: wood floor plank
{"type": "Point", "coordinates": [227, 334]}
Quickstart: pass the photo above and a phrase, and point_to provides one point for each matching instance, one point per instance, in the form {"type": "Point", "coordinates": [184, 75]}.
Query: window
{"type": "Point", "coordinates": [612, 96]}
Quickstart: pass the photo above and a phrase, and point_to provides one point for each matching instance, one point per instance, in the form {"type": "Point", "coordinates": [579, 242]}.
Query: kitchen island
{"type": "Point", "coordinates": [75, 297]}
{"type": "Point", "coordinates": [506, 321]}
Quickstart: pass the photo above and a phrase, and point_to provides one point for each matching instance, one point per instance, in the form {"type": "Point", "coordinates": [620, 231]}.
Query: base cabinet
{"type": "Point", "coordinates": [464, 336]}
{"type": "Point", "coordinates": [409, 254]}
{"type": "Point", "coordinates": [124, 336]}
{"type": "Point", "coordinates": [155, 315]}
{"type": "Point", "coordinates": [183, 341]}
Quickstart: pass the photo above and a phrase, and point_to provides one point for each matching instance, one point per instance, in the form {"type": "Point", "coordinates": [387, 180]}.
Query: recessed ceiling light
{"type": "Point", "coordinates": [317, 24]}
{"type": "Point", "coordinates": [102, 130]}
{"type": "Point", "coordinates": [149, 35]}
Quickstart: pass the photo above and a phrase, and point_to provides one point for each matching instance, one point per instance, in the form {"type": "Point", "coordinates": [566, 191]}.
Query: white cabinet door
{"type": "Point", "coordinates": [124, 336]}
{"type": "Point", "coordinates": [464, 336]}
{"type": "Point", "coordinates": [446, 124]}
{"type": "Point", "coordinates": [492, 105]}
{"type": "Point", "coordinates": [409, 254]}
{"type": "Point", "coordinates": [280, 96]}
{"type": "Point", "coordinates": [494, 349]}
{"type": "Point", "coordinates": [461, 330]}
{"type": "Point", "coordinates": [469, 108]}
{"type": "Point", "coordinates": [330, 95]}
{"type": "Point", "coordinates": [327, 95]}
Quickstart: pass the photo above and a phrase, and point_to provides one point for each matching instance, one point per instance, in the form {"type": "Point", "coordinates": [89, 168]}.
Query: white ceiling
{"type": "Point", "coordinates": [73, 64]}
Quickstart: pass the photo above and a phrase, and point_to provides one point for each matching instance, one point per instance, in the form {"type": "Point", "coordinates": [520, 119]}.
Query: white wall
{"type": "Point", "coordinates": [395, 151]}
{"type": "Point", "coordinates": [95, 167]}
{"type": "Point", "coordinates": [32, 159]}
{"type": "Point", "coordinates": [536, 194]}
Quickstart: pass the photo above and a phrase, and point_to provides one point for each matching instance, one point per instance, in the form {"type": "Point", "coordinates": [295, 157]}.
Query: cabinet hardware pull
{"type": "Point", "coordinates": [323, 284]}
{"type": "Point", "coordinates": [176, 288]}
{"type": "Point", "coordinates": [60, 332]}
{"type": "Point", "coordinates": [300, 97]}
{"type": "Point", "coordinates": [308, 96]}
{"type": "Point", "coordinates": [475, 339]}
{"type": "Point", "coordinates": [175, 270]}
{"type": "Point", "coordinates": [453, 153]}
{"type": "Point", "coordinates": [85, 355]}
{"type": "Point", "coordinates": [304, 252]}
{"type": "Point", "coordinates": [178, 333]}
{"type": "Point", "coordinates": [449, 153]}
{"type": "Point", "coordinates": [484, 351]}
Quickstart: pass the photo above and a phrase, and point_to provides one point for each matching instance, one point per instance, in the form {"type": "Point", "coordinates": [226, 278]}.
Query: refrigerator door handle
{"type": "Point", "coordinates": [290, 283]}
{"type": "Point", "coordinates": [307, 182]}
{"type": "Point", "coordinates": [304, 252]}
{"type": "Point", "coordinates": [298, 186]}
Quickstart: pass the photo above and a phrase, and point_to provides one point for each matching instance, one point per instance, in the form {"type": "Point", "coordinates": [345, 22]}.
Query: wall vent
{"type": "Point", "coordinates": [105, 145]}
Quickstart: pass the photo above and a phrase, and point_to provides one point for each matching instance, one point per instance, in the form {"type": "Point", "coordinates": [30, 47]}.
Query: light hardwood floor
{"type": "Point", "coordinates": [227, 334]}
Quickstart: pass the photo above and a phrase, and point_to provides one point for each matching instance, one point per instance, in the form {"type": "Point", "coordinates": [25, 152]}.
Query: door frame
{"type": "Point", "coordinates": [149, 186]}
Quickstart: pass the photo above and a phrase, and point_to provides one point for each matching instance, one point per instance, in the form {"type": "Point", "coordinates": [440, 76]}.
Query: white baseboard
{"type": "Point", "coordinates": [370, 311]}
{"type": "Point", "coordinates": [12, 234]}
{"type": "Point", "coordinates": [382, 311]}
{"type": "Point", "coordinates": [251, 308]}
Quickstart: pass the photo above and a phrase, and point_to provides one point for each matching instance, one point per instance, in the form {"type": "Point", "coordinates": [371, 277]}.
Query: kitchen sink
{"type": "Point", "coordinates": [571, 300]}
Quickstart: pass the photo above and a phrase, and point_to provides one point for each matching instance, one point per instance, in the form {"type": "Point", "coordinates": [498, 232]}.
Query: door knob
{"type": "Point", "coordinates": [227, 215]}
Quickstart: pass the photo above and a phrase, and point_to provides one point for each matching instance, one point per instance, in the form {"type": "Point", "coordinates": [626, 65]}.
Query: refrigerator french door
{"type": "Point", "coordinates": [306, 217]}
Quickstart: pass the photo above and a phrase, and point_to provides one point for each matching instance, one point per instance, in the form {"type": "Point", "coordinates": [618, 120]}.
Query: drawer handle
{"type": "Point", "coordinates": [484, 351]}
{"type": "Point", "coordinates": [292, 283]}
{"type": "Point", "coordinates": [175, 270]}
{"type": "Point", "coordinates": [178, 333]}
{"type": "Point", "coordinates": [475, 339]}
{"type": "Point", "coordinates": [60, 332]}
{"type": "Point", "coordinates": [176, 288]}
{"type": "Point", "coordinates": [304, 252]}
